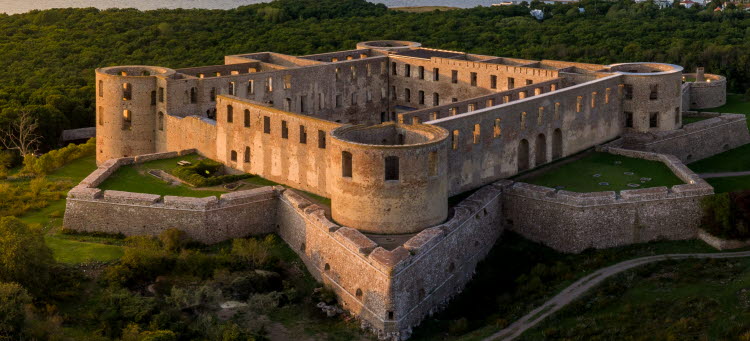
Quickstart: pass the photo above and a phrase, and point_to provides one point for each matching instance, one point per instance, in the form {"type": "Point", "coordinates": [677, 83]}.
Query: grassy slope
{"type": "Point", "coordinates": [734, 160]}
{"type": "Point", "coordinates": [578, 176]}
{"type": "Point", "coordinates": [685, 300]}
{"type": "Point", "coordinates": [518, 275]}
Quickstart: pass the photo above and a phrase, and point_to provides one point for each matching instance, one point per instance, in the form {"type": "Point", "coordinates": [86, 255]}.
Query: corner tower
{"type": "Point", "coordinates": [389, 178]}
{"type": "Point", "coordinates": [127, 100]}
{"type": "Point", "coordinates": [652, 96]}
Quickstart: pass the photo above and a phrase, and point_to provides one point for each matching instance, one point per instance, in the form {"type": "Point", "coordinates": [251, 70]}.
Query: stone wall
{"type": "Point", "coordinates": [711, 93]}
{"type": "Point", "coordinates": [573, 222]}
{"type": "Point", "coordinates": [498, 142]}
{"type": "Point", "coordinates": [393, 290]}
{"type": "Point", "coordinates": [208, 220]}
{"type": "Point", "coordinates": [697, 140]}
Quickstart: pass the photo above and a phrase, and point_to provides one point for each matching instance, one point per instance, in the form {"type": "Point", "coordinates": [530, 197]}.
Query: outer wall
{"type": "Point", "coordinates": [367, 202]}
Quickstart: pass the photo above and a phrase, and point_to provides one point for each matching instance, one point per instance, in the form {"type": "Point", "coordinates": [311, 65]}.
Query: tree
{"type": "Point", "coordinates": [21, 135]}
{"type": "Point", "coordinates": [13, 301]}
{"type": "Point", "coordinates": [24, 257]}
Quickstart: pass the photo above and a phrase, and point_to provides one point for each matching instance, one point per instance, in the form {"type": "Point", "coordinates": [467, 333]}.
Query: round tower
{"type": "Point", "coordinates": [389, 178]}
{"type": "Point", "coordinates": [652, 96]}
{"type": "Point", "coordinates": [126, 106]}
{"type": "Point", "coordinates": [389, 45]}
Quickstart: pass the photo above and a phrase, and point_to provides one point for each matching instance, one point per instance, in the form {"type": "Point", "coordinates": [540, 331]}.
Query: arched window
{"type": "Point", "coordinates": [233, 155]}
{"type": "Point", "coordinates": [247, 154]}
{"type": "Point", "coordinates": [346, 164]}
{"type": "Point", "coordinates": [247, 118]}
{"type": "Point", "coordinates": [230, 114]}
{"type": "Point", "coordinates": [391, 168]}
{"type": "Point", "coordinates": [127, 92]}
{"type": "Point", "coordinates": [193, 95]}
{"type": "Point", "coordinates": [127, 120]}
{"type": "Point", "coordinates": [161, 120]}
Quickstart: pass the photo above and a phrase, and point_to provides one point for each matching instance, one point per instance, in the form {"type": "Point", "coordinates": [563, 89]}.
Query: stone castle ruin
{"type": "Point", "coordinates": [389, 131]}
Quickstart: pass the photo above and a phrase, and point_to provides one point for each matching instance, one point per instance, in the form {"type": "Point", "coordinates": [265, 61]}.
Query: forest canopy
{"type": "Point", "coordinates": [47, 58]}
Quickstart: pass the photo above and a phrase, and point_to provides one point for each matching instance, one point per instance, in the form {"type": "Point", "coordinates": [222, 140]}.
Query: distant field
{"type": "Point", "coordinates": [422, 9]}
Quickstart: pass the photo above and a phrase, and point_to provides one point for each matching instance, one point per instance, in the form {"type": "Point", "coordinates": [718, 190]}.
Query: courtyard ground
{"type": "Point", "coordinates": [598, 172]}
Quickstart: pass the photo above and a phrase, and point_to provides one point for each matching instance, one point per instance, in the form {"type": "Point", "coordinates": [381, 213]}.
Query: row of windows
{"type": "Point", "coordinates": [391, 164]}
{"type": "Point", "coordinates": [420, 74]}
{"type": "Point", "coordinates": [653, 91]}
{"type": "Point", "coordinates": [653, 118]}
{"type": "Point", "coordinates": [284, 127]}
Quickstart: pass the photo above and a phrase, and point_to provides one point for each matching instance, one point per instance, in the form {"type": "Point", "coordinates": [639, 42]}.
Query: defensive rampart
{"type": "Point", "coordinates": [695, 141]}
{"type": "Point", "coordinates": [573, 222]}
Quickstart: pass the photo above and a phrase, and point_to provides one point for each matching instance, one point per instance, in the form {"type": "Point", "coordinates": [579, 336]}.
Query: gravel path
{"type": "Point", "coordinates": [584, 284]}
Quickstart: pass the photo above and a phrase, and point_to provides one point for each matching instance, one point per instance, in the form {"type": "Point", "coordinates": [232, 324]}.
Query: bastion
{"type": "Point", "coordinates": [389, 132]}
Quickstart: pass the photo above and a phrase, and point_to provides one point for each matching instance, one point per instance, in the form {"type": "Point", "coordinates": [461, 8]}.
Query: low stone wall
{"type": "Point", "coordinates": [208, 220]}
{"type": "Point", "coordinates": [697, 140]}
{"type": "Point", "coordinates": [722, 244]}
{"type": "Point", "coordinates": [391, 291]}
{"type": "Point", "coordinates": [573, 222]}
{"type": "Point", "coordinates": [707, 94]}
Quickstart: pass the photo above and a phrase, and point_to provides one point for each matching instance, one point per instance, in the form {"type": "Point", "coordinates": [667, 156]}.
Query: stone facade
{"type": "Point", "coordinates": [389, 131]}
{"type": "Point", "coordinates": [710, 91]}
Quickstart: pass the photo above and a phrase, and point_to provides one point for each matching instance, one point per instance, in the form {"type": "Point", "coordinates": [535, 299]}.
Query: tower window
{"type": "Point", "coordinates": [230, 114]}
{"type": "Point", "coordinates": [321, 139]}
{"type": "Point", "coordinates": [127, 120]}
{"type": "Point", "coordinates": [127, 92]}
{"type": "Point", "coordinates": [247, 118]}
{"type": "Point", "coordinates": [653, 120]}
{"type": "Point", "coordinates": [391, 168]}
{"type": "Point", "coordinates": [346, 164]}
{"type": "Point", "coordinates": [454, 76]}
{"type": "Point", "coordinates": [233, 155]}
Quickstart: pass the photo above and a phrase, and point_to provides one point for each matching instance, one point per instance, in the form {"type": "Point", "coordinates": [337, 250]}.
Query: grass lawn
{"type": "Point", "coordinates": [736, 104]}
{"type": "Point", "coordinates": [74, 252]}
{"type": "Point", "coordinates": [688, 120]}
{"type": "Point", "coordinates": [733, 160]}
{"type": "Point", "coordinates": [133, 178]}
{"type": "Point", "coordinates": [730, 184]}
{"type": "Point", "coordinates": [518, 275]}
{"type": "Point", "coordinates": [671, 300]}
{"type": "Point", "coordinates": [580, 175]}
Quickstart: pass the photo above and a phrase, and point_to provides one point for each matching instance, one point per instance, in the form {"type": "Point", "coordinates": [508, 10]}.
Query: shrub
{"type": "Point", "coordinates": [57, 158]}
{"type": "Point", "coordinates": [727, 215]}
{"type": "Point", "coordinates": [13, 300]}
{"type": "Point", "coordinates": [251, 250]}
{"type": "Point", "coordinates": [174, 239]}
{"type": "Point", "coordinates": [143, 261]}
{"type": "Point", "coordinates": [203, 174]}
{"type": "Point", "coordinates": [24, 257]}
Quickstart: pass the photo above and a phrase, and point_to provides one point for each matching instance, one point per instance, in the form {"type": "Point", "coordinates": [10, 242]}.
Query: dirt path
{"type": "Point", "coordinates": [586, 283]}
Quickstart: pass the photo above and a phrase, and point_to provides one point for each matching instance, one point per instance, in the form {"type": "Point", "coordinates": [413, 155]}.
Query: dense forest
{"type": "Point", "coordinates": [47, 58]}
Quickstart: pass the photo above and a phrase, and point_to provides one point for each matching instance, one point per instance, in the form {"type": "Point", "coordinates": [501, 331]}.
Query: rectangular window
{"type": "Point", "coordinates": [497, 130]}
{"type": "Point", "coordinates": [454, 77]}
{"type": "Point", "coordinates": [435, 74]}
{"type": "Point", "coordinates": [383, 68]}
{"type": "Point", "coordinates": [607, 93]}
{"type": "Point", "coordinates": [284, 130]}
{"type": "Point", "coordinates": [269, 84]}
{"type": "Point", "coordinates": [421, 97]}
{"type": "Point", "coordinates": [101, 88]}
{"type": "Point", "coordinates": [529, 82]}
{"type": "Point", "coordinates": [455, 140]}
{"type": "Point", "coordinates": [101, 116]}
{"type": "Point", "coordinates": [161, 95]}
{"type": "Point", "coordinates": [127, 120]}
{"type": "Point", "coordinates": [407, 70]}
{"type": "Point", "coordinates": [579, 103]}
{"type": "Point", "coordinates": [354, 98]}
{"type": "Point", "coordinates": [393, 93]}
{"type": "Point", "coordinates": [628, 119]}
{"type": "Point", "coordinates": [391, 168]}
{"type": "Point", "coordinates": [593, 99]}
{"type": "Point", "coordinates": [433, 164]}
{"type": "Point", "coordinates": [415, 120]}
{"type": "Point", "coordinates": [250, 87]}
{"type": "Point", "coordinates": [287, 82]}
{"type": "Point", "coordinates": [421, 72]}
{"type": "Point", "coordinates": [302, 103]}
{"type": "Point", "coordinates": [321, 139]}
{"type": "Point", "coordinates": [454, 111]}
{"type": "Point", "coordinates": [477, 133]}
{"type": "Point", "coordinates": [393, 69]}
{"type": "Point", "coordinates": [230, 114]}
{"type": "Point", "coordinates": [407, 95]}
{"type": "Point", "coordinates": [628, 91]}
{"type": "Point", "coordinates": [368, 69]}
{"type": "Point", "coordinates": [346, 164]}
{"type": "Point", "coordinates": [353, 72]}
{"type": "Point", "coordinates": [653, 120]}
{"type": "Point", "coordinates": [266, 124]}
{"type": "Point", "coordinates": [493, 82]}
{"type": "Point", "coordinates": [338, 101]}
{"type": "Point", "coordinates": [473, 79]}
{"type": "Point", "coordinates": [337, 73]}
{"type": "Point", "coordinates": [511, 82]}
{"type": "Point", "coordinates": [557, 111]}
{"type": "Point", "coordinates": [654, 95]}
{"type": "Point", "coordinates": [302, 135]}
{"type": "Point", "coordinates": [490, 102]}
{"type": "Point", "coordinates": [540, 116]}
{"type": "Point", "coordinates": [434, 116]}
{"type": "Point", "coordinates": [232, 89]}
{"type": "Point", "coordinates": [436, 99]}
{"type": "Point", "coordinates": [523, 120]}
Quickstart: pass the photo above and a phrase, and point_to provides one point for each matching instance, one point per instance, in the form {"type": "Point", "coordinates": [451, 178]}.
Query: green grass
{"type": "Point", "coordinates": [733, 160]}
{"type": "Point", "coordinates": [671, 300]}
{"type": "Point", "coordinates": [133, 178]}
{"type": "Point", "coordinates": [578, 176]}
{"type": "Point", "coordinates": [736, 104]}
{"type": "Point", "coordinates": [688, 120]}
{"type": "Point", "coordinates": [730, 184]}
{"type": "Point", "coordinates": [74, 252]}
{"type": "Point", "coordinates": [76, 170]}
{"type": "Point", "coordinates": [519, 275]}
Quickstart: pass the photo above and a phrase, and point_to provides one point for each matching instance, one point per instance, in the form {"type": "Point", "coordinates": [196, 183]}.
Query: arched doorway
{"type": "Point", "coordinates": [541, 149]}
{"type": "Point", "coordinates": [557, 147]}
{"type": "Point", "coordinates": [523, 155]}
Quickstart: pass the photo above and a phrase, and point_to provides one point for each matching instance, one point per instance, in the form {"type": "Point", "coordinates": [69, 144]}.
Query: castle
{"type": "Point", "coordinates": [389, 131]}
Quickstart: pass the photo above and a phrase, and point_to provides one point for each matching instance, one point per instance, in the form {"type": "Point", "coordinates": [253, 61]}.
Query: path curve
{"type": "Point", "coordinates": [584, 284]}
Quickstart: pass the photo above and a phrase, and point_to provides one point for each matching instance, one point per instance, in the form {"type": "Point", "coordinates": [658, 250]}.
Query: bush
{"type": "Point", "coordinates": [203, 174]}
{"type": "Point", "coordinates": [57, 158]}
{"type": "Point", "coordinates": [252, 251]}
{"type": "Point", "coordinates": [727, 215]}
{"type": "Point", "coordinates": [24, 257]}
{"type": "Point", "coordinates": [143, 261]}
{"type": "Point", "coordinates": [13, 301]}
{"type": "Point", "coordinates": [174, 239]}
